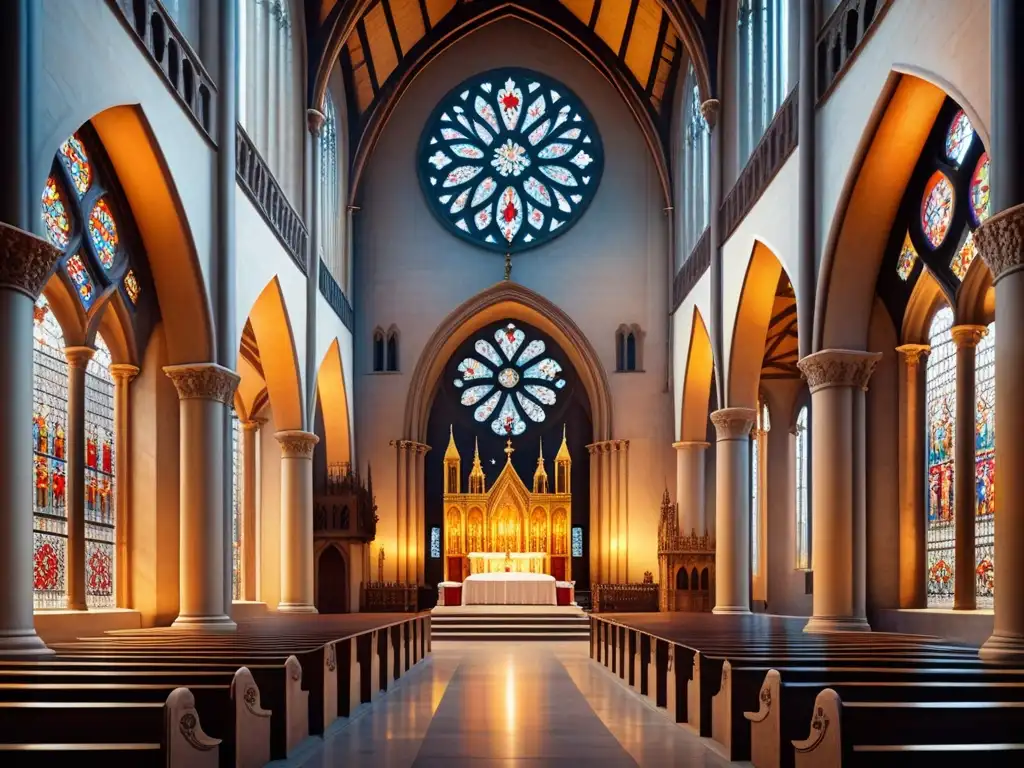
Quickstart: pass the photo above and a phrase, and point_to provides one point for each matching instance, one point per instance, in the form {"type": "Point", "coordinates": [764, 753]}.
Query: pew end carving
{"type": "Point", "coordinates": [187, 745]}
{"type": "Point", "coordinates": [297, 704]}
{"type": "Point", "coordinates": [765, 738]}
{"type": "Point", "coordinates": [823, 746]}
{"type": "Point", "coordinates": [252, 722]}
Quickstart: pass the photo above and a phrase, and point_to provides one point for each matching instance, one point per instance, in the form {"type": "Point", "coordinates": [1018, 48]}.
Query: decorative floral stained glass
{"type": "Point", "coordinates": [985, 468]}
{"type": "Point", "coordinates": [103, 233]}
{"type": "Point", "coordinates": [940, 410]}
{"type": "Point", "coordinates": [959, 137]}
{"type": "Point", "coordinates": [577, 541]}
{"type": "Point", "coordinates": [510, 159]}
{"type": "Point", "coordinates": [131, 286]}
{"type": "Point", "coordinates": [55, 215]}
{"type": "Point", "coordinates": [435, 542]}
{"type": "Point", "coordinates": [962, 258]}
{"type": "Point", "coordinates": [937, 208]}
{"type": "Point", "coordinates": [80, 279]}
{"type": "Point", "coordinates": [76, 160]}
{"type": "Point", "coordinates": [49, 467]}
{"type": "Point", "coordinates": [519, 385]}
{"type": "Point", "coordinates": [980, 191]}
{"type": "Point", "coordinates": [100, 480]}
{"type": "Point", "coordinates": [907, 259]}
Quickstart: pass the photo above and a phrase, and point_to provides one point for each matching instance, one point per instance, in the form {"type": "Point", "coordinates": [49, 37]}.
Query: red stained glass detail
{"type": "Point", "coordinates": [45, 568]}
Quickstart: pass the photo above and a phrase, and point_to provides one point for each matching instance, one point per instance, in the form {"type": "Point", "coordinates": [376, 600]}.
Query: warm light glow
{"type": "Point", "coordinates": [510, 698]}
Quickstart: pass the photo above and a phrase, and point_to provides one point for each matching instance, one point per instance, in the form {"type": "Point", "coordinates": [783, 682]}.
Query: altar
{"type": "Point", "coordinates": [501, 562]}
{"type": "Point", "coordinates": [509, 589]}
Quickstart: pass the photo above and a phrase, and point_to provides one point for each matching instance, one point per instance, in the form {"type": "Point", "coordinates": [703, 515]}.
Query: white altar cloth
{"type": "Point", "coordinates": [509, 589]}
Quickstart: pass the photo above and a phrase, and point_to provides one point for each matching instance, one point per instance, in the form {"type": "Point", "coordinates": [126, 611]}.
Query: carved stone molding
{"type": "Point", "coordinates": [839, 368]}
{"type": "Point", "coordinates": [684, 444]}
{"type": "Point", "coordinates": [124, 372]}
{"type": "Point", "coordinates": [608, 446]}
{"type": "Point", "coordinates": [251, 425]}
{"type": "Point", "coordinates": [26, 261]}
{"type": "Point", "coordinates": [709, 109]}
{"type": "Point", "coordinates": [912, 353]}
{"type": "Point", "coordinates": [967, 336]}
{"type": "Point", "coordinates": [733, 423]}
{"type": "Point", "coordinates": [203, 381]}
{"type": "Point", "coordinates": [296, 444]}
{"type": "Point", "coordinates": [410, 445]}
{"type": "Point", "coordinates": [1000, 242]}
{"type": "Point", "coordinates": [315, 121]}
{"type": "Point", "coordinates": [78, 357]}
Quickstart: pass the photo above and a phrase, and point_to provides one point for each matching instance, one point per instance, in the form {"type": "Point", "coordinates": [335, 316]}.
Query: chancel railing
{"type": "Point", "coordinates": [262, 188]}
{"type": "Point", "coordinates": [841, 38]}
{"type": "Point", "coordinates": [624, 598]}
{"type": "Point", "coordinates": [388, 597]}
{"type": "Point", "coordinates": [334, 296]}
{"type": "Point", "coordinates": [696, 264]}
{"type": "Point", "coordinates": [173, 57]}
{"type": "Point", "coordinates": [766, 160]}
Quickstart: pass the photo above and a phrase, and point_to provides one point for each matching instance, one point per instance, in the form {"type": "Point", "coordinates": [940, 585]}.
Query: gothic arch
{"type": "Point", "coordinates": [700, 366]}
{"type": "Point", "coordinates": [269, 318]}
{"type": "Point", "coordinates": [925, 300]}
{"type": "Point", "coordinates": [330, 382]}
{"type": "Point", "coordinates": [976, 299]}
{"type": "Point", "coordinates": [501, 301]}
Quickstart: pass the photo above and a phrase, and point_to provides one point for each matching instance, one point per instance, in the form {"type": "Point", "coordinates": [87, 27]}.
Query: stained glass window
{"type": "Point", "coordinates": [763, 47]}
{"type": "Point", "coordinates": [985, 467]}
{"type": "Point", "coordinates": [958, 137]}
{"type": "Point", "coordinates": [131, 286]}
{"type": "Point", "coordinates": [236, 509]}
{"type": "Point", "coordinates": [758, 450]}
{"type": "Point", "coordinates": [962, 258]}
{"type": "Point", "coordinates": [577, 541]}
{"type": "Point", "coordinates": [103, 233]}
{"type": "Point", "coordinates": [435, 542]}
{"type": "Point", "coordinates": [940, 409]}
{"type": "Point", "coordinates": [55, 215]}
{"type": "Point", "coordinates": [937, 208]}
{"type": "Point", "coordinates": [803, 500]}
{"type": "Point", "coordinates": [100, 480]}
{"type": "Point", "coordinates": [49, 467]}
{"type": "Point", "coordinates": [907, 259]}
{"type": "Point", "coordinates": [510, 159]}
{"type": "Point", "coordinates": [81, 280]}
{"type": "Point", "coordinates": [696, 172]}
{"type": "Point", "coordinates": [979, 190]}
{"type": "Point", "coordinates": [525, 383]}
{"type": "Point", "coordinates": [76, 160]}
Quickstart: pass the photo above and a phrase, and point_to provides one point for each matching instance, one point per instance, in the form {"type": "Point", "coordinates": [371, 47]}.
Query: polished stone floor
{"type": "Point", "coordinates": [495, 704]}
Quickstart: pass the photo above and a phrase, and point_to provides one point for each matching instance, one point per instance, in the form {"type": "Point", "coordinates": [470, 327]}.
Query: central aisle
{"type": "Point", "coordinates": [493, 704]}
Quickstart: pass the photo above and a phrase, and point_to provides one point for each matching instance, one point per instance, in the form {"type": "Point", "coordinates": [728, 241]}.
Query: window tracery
{"type": "Point", "coordinates": [763, 55]}
{"type": "Point", "coordinates": [100, 480]}
{"type": "Point", "coordinates": [940, 410]}
{"type": "Point", "coordinates": [803, 499]}
{"type": "Point", "coordinates": [985, 467]}
{"type": "Point", "coordinates": [696, 176]}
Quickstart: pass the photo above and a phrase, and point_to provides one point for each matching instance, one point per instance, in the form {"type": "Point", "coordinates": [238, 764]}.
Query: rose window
{"type": "Point", "coordinates": [510, 159]}
{"type": "Point", "coordinates": [507, 382]}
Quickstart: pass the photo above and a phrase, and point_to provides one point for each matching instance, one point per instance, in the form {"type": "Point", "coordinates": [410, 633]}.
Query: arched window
{"type": "Point", "coordinates": [696, 178]}
{"type": "Point", "coordinates": [49, 435]}
{"type": "Point", "coordinates": [940, 410]}
{"type": "Point", "coordinates": [332, 244]}
{"type": "Point", "coordinates": [631, 351]}
{"type": "Point", "coordinates": [392, 350]}
{"type": "Point", "coordinates": [620, 350]}
{"type": "Point", "coordinates": [628, 348]}
{"type": "Point", "coordinates": [985, 467]}
{"type": "Point", "coordinates": [236, 508]}
{"type": "Point", "coordinates": [763, 55]}
{"type": "Point", "coordinates": [803, 496]}
{"type": "Point", "coordinates": [758, 486]}
{"type": "Point", "coordinates": [378, 351]}
{"type": "Point", "coordinates": [100, 481]}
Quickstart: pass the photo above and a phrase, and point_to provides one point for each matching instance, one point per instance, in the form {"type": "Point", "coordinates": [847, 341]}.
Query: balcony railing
{"type": "Point", "coordinates": [334, 296]}
{"type": "Point", "coordinates": [173, 57]}
{"type": "Point", "coordinates": [767, 159]}
{"type": "Point", "coordinates": [263, 190]}
{"type": "Point", "coordinates": [696, 264]}
{"type": "Point", "coordinates": [842, 37]}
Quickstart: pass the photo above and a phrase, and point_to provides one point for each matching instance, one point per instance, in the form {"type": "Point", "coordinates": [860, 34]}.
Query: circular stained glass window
{"type": "Point", "coordinates": [509, 382]}
{"type": "Point", "coordinates": [937, 208]}
{"type": "Point", "coordinates": [55, 215]}
{"type": "Point", "coordinates": [958, 137]}
{"type": "Point", "coordinates": [979, 190]}
{"type": "Point", "coordinates": [103, 233]}
{"type": "Point", "coordinates": [77, 162]}
{"type": "Point", "coordinates": [510, 159]}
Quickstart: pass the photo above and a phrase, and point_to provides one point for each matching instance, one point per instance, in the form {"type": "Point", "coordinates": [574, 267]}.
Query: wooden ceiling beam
{"type": "Point", "coordinates": [594, 13]}
{"type": "Point", "coordinates": [364, 41]}
{"type": "Point", "coordinates": [659, 51]}
{"type": "Point", "coordinates": [426, 16]}
{"type": "Point", "coordinates": [389, 17]}
{"type": "Point", "coordinates": [791, 309]}
{"type": "Point", "coordinates": [627, 32]}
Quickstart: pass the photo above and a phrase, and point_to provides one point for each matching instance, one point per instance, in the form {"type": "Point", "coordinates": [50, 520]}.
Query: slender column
{"type": "Point", "coordinates": [595, 515]}
{"type": "Point", "coordinates": [711, 109]}
{"type": "Point", "coordinates": [421, 512]}
{"type": "Point", "coordinates": [690, 490]}
{"type": "Point", "coordinates": [78, 358]}
{"type": "Point", "coordinates": [205, 392]}
{"type": "Point", "coordinates": [123, 374]}
{"type": "Point", "coordinates": [607, 516]}
{"type": "Point", "coordinates": [25, 264]}
{"type": "Point", "coordinates": [838, 495]}
{"type": "Point", "coordinates": [613, 513]}
{"type": "Point", "coordinates": [859, 539]}
{"type": "Point", "coordinates": [966, 338]}
{"type": "Point", "coordinates": [805, 284]}
{"type": "Point", "coordinates": [250, 445]}
{"type": "Point", "coordinates": [314, 123]}
{"type": "Point", "coordinates": [621, 457]}
{"type": "Point", "coordinates": [732, 503]}
{"type": "Point", "coordinates": [912, 477]}
{"type": "Point", "coordinates": [296, 521]}
{"type": "Point", "coordinates": [401, 509]}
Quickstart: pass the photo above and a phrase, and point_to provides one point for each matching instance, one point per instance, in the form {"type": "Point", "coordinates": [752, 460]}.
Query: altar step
{"type": "Point", "coordinates": [509, 627]}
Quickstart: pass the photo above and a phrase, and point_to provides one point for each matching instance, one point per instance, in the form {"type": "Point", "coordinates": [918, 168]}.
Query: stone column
{"type": "Point", "coordinates": [690, 486]}
{"type": "Point", "coordinates": [596, 530]}
{"type": "Point", "coordinates": [912, 557]}
{"type": "Point", "coordinates": [123, 374]}
{"type": "Point", "coordinates": [78, 358]}
{"type": "Point", "coordinates": [401, 507]}
{"type": "Point", "coordinates": [837, 379]}
{"type": "Point", "coordinates": [297, 521]}
{"type": "Point", "coordinates": [966, 338]}
{"type": "Point", "coordinates": [25, 264]}
{"type": "Point", "coordinates": [732, 509]}
{"type": "Point", "coordinates": [620, 461]}
{"type": "Point", "coordinates": [421, 511]}
{"type": "Point", "coordinates": [249, 480]}
{"type": "Point", "coordinates": [205, 392]}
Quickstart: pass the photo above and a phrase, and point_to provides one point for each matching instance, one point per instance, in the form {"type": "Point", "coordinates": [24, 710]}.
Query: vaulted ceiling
{"type": "Point", "coordinates": [639, 45]}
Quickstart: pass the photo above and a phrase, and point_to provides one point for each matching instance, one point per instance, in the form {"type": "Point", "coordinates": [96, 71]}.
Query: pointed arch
{"type": "Point", "coordinates": [925, 300]}
{"type": "Point", "coordinates": [273, 332]}
{"type": "Point", "coordinates": [976, 299]}
{"type": "Point", "coordinates": [700, 366]}
{"type": "Point", "coordinates": [330, 386]}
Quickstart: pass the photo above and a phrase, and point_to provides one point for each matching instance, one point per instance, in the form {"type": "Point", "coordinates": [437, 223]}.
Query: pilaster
{"type": "Point", "coordinates": [123, 374]}
{"type": "Point", "coordinates": [912, 555]}
{"type": "Point", "coordinates": [78, 359]}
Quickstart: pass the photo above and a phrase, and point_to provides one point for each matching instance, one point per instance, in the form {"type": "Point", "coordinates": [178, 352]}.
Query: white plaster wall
{"type": "Point", "coordinates": [609, 269]}
{"type": "Point", "coordinates": [91, 62]}
{"type": "Point", "coordinates": [682, 326]}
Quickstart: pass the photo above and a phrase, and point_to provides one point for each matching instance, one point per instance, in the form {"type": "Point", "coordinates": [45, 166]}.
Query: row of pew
{"type": "Point", "coordinates": [180, 699]}
{"type": "Point", "coordinates": [766, 692]}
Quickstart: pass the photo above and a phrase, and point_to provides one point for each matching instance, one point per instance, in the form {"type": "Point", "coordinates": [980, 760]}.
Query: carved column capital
{"type": "Point", "coordinates": [26, 261]}
{"type": "Point", "coordinates": [315, 121]}
{"type": "Point", "coordinates": [733, 423]}
{"type": "Point", "coordinates": [839, 368]}
{"type": "Point", "coordinates": [296, 444]}
{"type": "Point", "coordinates": [78, 357]}
{"type": "Point", "coordinates": [251, 425]}
{"type": "Point", "coordinates": [410, 445]}
{"type": "Point", "coordinates": [203, 381]}
{"type": "Point", "coordinates": [1000, 242]}
{"type": "Point", "coordinates": [124, 372]}
{"type": "Point", "coordinates": [912, 353]}
{"type": "Point", "coordinates": [709, 109]}
{"type": "Point", "coordinates": [967, 336]}
{"type": "Point", "coordinates": [683, 445]}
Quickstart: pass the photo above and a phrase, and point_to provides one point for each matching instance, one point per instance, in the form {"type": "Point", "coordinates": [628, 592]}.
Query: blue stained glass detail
{"type": "Point", "coordinates": [577, 541]}
{"type": "Point", "coordinates": [435, 542]}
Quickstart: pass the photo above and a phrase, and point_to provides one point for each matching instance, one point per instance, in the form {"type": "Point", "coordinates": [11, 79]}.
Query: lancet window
{"type": "Point", "coordinates": [696, 176]}
{"type": "Point", "coordinates": [763, 57]}
{"type": "Point", "coordinates": [803, 496]}
{"type": "Point", "coordinates": [100, 480]}
{"type": "Point", "coordinates": [758, 496]}
{"type": "Point", "coordinates": [940, 413]}
{"type": "Point", "coordinates": [985, 468]}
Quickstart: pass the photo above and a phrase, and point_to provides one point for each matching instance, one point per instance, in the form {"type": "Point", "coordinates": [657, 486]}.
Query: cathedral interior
{"type": "Point", "coordinates": [443, 382]}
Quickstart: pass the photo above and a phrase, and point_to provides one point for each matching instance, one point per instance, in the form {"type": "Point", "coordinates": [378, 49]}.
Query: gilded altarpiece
{"type": "Point", "coordinates": [686, 565]}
